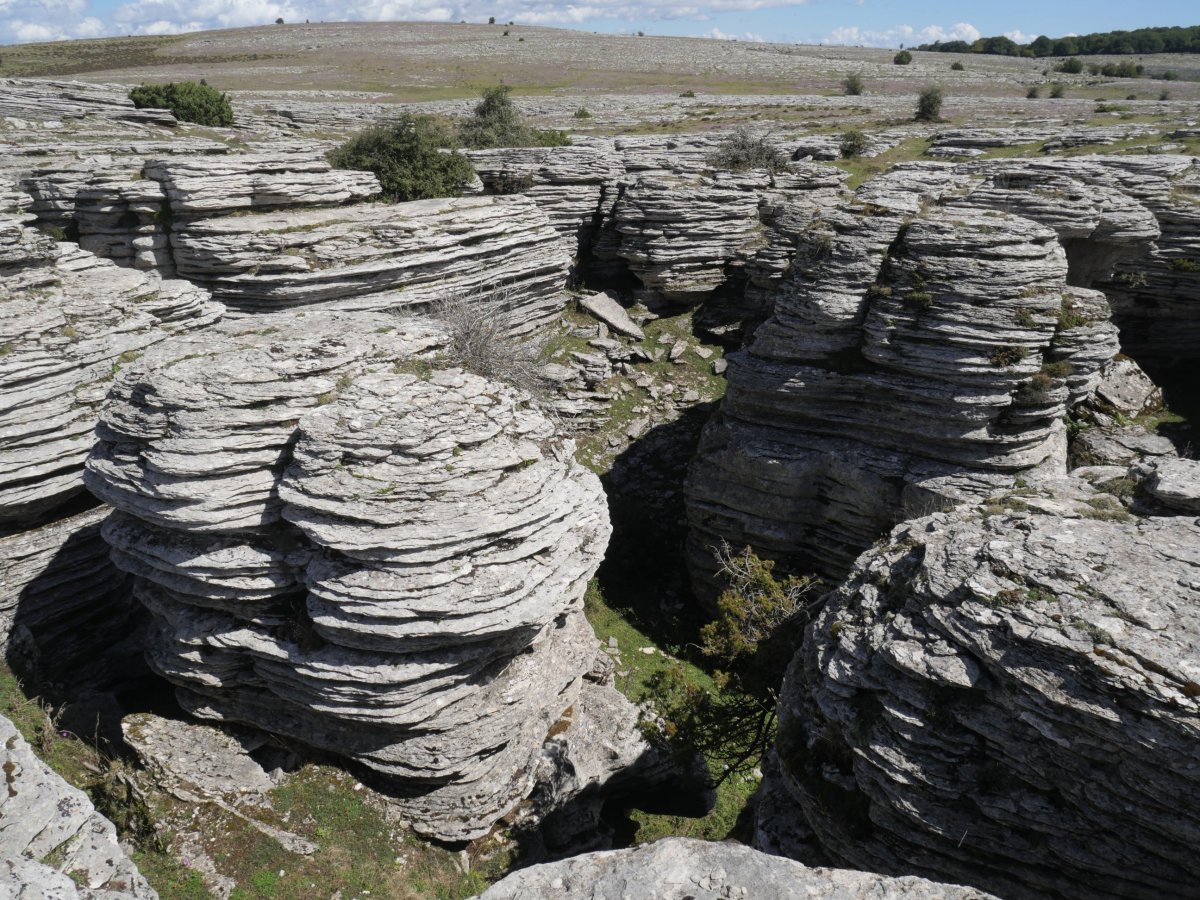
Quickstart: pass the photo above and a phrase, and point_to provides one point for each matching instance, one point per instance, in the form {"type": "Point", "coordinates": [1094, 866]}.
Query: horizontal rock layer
{"type": "Point", "coordinates": [68, 322]}
{"type": "Point", "coordinates": [384, 567]}
{"type": "Point", "coordinates": [1008, 700]}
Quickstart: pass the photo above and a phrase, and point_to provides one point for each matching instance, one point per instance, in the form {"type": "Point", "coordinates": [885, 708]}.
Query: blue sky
{"type": "Point", "coordinates": [868, 22]}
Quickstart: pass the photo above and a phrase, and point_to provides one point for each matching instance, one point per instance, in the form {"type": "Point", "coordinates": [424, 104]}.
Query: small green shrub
{"type": "Point", "coordinates": [744, 150]}
{"type": "Point", "coordinates": [1003, 357]}
{"type": "Point", "coordinates": [1164, 95]}
{"type": "Point", "coordinates": [1072, 66]}
{"type": "Point", "coordinates": [853, 143]}
{"type": "Point", "coordinates": [957, 67]}
{"type": "Point", "coordinates": [688, 94]}
{"type": "Point", "coordinates": [853, 84]}
{"type": "Point", "coordinates": [1058, 90]}
{"type": "Point", "coordinates": [1183, 265]}
{"type": "Point", "coordinates": [187, 101]}
{"type": "Point", "coordinates": [929, 104]}
{"type": "Point", "coordinates": [918, 301]}
{"type": "Point", "coordinates": [1033, 93]}
{"type": "Point", "coordinates": [582, 113]}
{"type": "Point", "coordinates": [495, 122]}
{"type": "Point", "coordinates": [407, 158]}
{"type": "Point", "coordinates": [903, 58]}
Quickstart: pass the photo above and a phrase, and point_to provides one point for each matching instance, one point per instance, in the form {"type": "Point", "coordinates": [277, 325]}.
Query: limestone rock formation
{"type": "Point", "coordinates": [684, 869]}
{"type": "Point", "coordinates": [131, 221]}
{"type": "Point", "coordinates": [380, 257]}
{"type": "Point", "coordinates": [575, 185]}
{"type": "Point", "coordinates": [909, 362]}
{"type": "Point", "coordinates": [53, 843]}
{"type": "Point", "coordinates": [1009, 699]}
{"type": "Point", "coordinates": [68, 322]}
{"type": "Point", "coordinates": [384, 567]}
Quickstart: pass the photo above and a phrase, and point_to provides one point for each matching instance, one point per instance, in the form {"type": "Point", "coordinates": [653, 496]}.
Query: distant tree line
{"type": "Point", "coordinates": [1175, 39]}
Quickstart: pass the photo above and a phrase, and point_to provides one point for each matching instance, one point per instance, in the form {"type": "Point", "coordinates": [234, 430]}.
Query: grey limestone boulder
{"type": "Point", "coordinates": [1005, 699]}
{"type": "Point", "coordinates": [684, 869]}
{"type": "Point", "coordinates": [53, 843]}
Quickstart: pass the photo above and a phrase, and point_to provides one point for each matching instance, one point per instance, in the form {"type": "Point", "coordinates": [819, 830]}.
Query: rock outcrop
{"type": "Point", "coordinates": [913, 359]}
{"type": "Point", "coordinates": [1007, 697]}
{"type": "Point", "coordinates": [53, 843]}
{"type": "Point", "coordinates": [381, 257]}
{"type": "Point", "coordinates": [575, 185]}
{"type": "Point", "coordinates": [684, 869]}
{"type": "Point", "coordinates": [384, 567]}
{"type": "Point", "coordinates": [68, 322]}
{"type": "Point", "coordinates": [131, 221]}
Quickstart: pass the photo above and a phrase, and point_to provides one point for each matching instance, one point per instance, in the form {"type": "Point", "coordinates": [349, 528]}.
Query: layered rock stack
{"type": "Point", "coordinates": [910, 362]}
{"type": "Point", "coordinates": [378, 565]}
{"type": "Point", "coordinates": [1156, 296]}
{"type": "Point", "coordinates": [576, 186]}
{"type": "Point", "coordinates": [131, 221]}
{"type": "Point", "coordinates": [1007, 697]}
{"type": "Point", "coordinates": [384, 257]}
{"type": "Point", "coordinates": [68, 322]}
{"type": "Point", "coordinates": [268, 233]}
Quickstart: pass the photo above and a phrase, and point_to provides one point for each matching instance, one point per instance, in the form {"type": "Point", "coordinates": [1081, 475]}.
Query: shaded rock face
{"type": "Point", "coordinates": [383, 567]}
{"type": "Point", "coordinates": [45, 819]}
{"type": "Point", "coordinates": [721, 240]}
{"type": "Point", "coordinates": [683, 869]}
{"type": "Point", "coordinates": [1011, 701]}
{"type": "Point", "coordinates": [907, 365]}
{"type": "Point", "coordinates": [66, 614]}
{"type": "Point", "coordinates": [575, 186]}
{"type": "Point", "coordinates": [68, 321]}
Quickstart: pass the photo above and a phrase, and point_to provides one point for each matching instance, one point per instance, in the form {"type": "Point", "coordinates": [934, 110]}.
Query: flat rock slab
{"type": "Point", "coordinates": [605, 308]}
{"type": "Point", "coordinates": [681, 869]}
{"type": "Point", "coordinates": [192, 760]}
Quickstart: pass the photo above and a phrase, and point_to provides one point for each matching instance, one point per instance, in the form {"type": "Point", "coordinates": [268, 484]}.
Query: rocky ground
{"type": "Point", "coordinates": [312, 601]}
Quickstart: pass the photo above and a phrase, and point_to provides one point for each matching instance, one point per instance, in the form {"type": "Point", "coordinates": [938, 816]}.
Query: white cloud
{"type": "Point", "coordinates": [901, 34]}
{"type": "Point", "coordinates": [1020, 36]}
{"type": "Point", "coordinates": [718, 35]}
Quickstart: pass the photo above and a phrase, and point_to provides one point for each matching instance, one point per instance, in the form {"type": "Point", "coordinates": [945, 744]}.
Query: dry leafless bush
{"type": "Point", "coordinates": [481, 339]}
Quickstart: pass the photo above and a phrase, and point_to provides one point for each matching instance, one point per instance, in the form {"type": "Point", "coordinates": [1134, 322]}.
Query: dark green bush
{"type": "Point", "coordinates": [853, 84]}
{"type": "Point", "coordinates": [1033, 93]}
{"type": "Point", "coordinates": [957, 67]}
{"type": "Point", "coordinates": [583, 113]}
{"type": "Point", "coordinates": [744, 150]}
{"type": "Point", "coordinates": [496, 123]}
{"type": "Point", "coordinates": [929, 104]}
{"type": "Point", "coordinates": [405, 154]}
{"type": "Point", "coordinates": [853, 143]}
{"type": "Point", "coordinates": [1058, 91]}
{"type": "Point", "coordinates": [1072, 66]}
{"type": "Point", "coordinates": [903, 58]}
{"type": "Point", "coordinates": [187, 101]}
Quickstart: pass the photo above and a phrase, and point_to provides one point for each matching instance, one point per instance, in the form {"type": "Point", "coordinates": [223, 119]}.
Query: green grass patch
{"type": "Point", "coordinates": [862, 168]}
{"type": "Point", "coordinates": [638, 668]}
